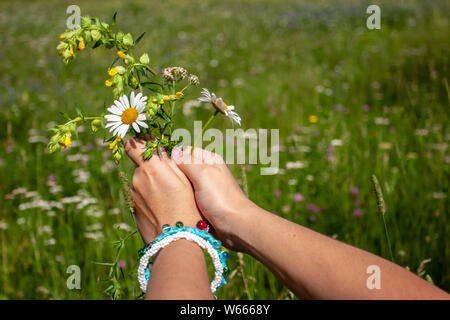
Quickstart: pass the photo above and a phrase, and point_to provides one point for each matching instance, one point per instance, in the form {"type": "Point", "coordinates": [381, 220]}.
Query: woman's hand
{"type": "Point", "coordinates": [161, 193]}
{"type": "Point", "coordinates": [218, 196]}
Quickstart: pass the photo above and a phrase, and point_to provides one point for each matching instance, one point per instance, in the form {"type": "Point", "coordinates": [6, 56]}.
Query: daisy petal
{"type": "Point", "coordinates": [112, 123]}
{"type": "Point", "coordinates": [132, 98]}
{"type": "Point", "coordinates": [119, 105]}
{"type": "Point", "coordinates": [140, 107]}
{"type": "Point", "coordinates": [118, 129]}
{"type": "Point", "coordinates": [136, 127]}
{"type": "Point", "coordinates": [113, 117]}
{"type": "Point", "coordinates": [142, 124]}
{"type": "Point", "coordinates": [115, 110]}
{"type": "Point", "coordinates": [124, 100]}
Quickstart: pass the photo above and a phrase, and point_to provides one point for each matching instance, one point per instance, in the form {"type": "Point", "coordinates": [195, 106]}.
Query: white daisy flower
{"type": "Point", "coordinates": [126, 113]}
{"type": "Point", "coordinates": [220, 105]}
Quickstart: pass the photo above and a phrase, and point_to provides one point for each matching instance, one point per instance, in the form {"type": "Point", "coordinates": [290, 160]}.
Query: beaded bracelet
{"type": "Point", "coordinates": [199, 235]}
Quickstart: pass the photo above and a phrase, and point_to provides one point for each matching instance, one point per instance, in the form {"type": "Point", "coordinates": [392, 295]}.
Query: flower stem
{"type": "Point", "coordinates": [203, 130]}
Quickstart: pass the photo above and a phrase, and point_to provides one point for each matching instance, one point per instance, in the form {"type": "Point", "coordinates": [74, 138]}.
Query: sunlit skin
{"type": "Point", "coordinates": [311, 265]}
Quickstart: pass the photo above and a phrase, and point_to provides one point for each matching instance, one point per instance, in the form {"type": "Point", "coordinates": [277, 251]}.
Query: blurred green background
{"type": "Point", "coordinates": [381, 98]}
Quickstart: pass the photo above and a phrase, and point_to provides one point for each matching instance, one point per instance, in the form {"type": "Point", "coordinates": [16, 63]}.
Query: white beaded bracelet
{"type": "Point", "coordinates": [153, 250]}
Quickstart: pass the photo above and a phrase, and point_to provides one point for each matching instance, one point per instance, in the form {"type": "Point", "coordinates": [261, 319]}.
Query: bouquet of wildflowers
{"type": "Point", "coordinates": [144, 100]}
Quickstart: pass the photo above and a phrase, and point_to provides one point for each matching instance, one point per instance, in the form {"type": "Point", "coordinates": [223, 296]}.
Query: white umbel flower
{"type": "Point", "coordinates": [126, 113]}
{"type": "Point", "coordinates": [220, 105]}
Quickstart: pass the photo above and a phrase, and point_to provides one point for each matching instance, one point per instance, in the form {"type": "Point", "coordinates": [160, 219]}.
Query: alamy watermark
{"type": "Point", "coordinates": [374, 280]}
{"type": "Point", "coordinates": [374, 20]}
{"type": "Point", "coordinates": [260, 150]}
{"type": "Point", "coordinates": [74, 280]}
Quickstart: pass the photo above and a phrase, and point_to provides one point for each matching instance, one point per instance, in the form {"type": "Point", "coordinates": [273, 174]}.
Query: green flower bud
{"type": "Point", "coordinates": [62, 46]}
{"type": "Point", "coordinates": [95, 125]}
{"type": "Point", "coordinates": [96, 35]}
{"type": "Point", "coordinates": [128, 40]}
{"type": "Point", "coordinates": [119, 36]}
{"type": "Point", "coordinates": [144, 59]}
{"type": "Point", "coordinates": [120, 70]}
{"type": "Point", "coordinates": [134, 83]}
{"type": "Point", "coordinates": [129, 60]}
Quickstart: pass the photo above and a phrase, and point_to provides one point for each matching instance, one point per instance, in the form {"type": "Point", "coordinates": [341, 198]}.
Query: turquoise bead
{"type": "Point", "coordinates": [147, 274]}
{"type": "Point", "coordinates": [217, 244]}
{"type": "Point", "coordinates": [165, 228]}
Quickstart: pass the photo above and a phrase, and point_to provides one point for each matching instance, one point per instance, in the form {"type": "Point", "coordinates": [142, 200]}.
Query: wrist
{"type": "Point", "coordinates": [241, 221]}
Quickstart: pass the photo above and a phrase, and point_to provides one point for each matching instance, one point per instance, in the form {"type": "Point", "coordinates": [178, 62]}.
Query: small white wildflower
{"type": "Point", "coordinates": [94, 227]}
{"type": "Point", "coordinates": [382, 121]}
{"type": "Point", "coordinates": [3, 225]}
{"type": "Point", "coordinates": [122, 226]}
{"type": "Point", "coordinates": [295, 165]}
{"type": "Point", "coordinates": [220, 105]}
{"type": "Point", "coordinates": [337, 142]}
{"type": "Point", "coordinates": [50, 242]}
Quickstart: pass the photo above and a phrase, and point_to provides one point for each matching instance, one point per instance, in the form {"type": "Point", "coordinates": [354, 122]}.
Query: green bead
{"type": "Point", "coordinates": [141, 252]}
{"type": "Point", "coordinates": [226, 271]}
{"type": "Point", "coordinates": [179, 224]}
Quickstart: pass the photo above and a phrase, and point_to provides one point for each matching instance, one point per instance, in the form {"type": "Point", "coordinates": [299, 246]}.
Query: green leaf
{"type": "Point", "coordinates": [139, 38]}
{"type": "Point", "coordinates": [109, 264]}
{"type": "Point", "coordinates": [97, 44]}
{"type": "Point", "coordinates": [115, 60]}
{"type": "Point", "coordinates": [114, 18]}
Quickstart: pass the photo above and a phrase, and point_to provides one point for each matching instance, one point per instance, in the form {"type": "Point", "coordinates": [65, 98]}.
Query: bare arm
{"type": "Point", "coordinates": [315, 266]}
{"type": "Point", "coordinates": [310, 264]}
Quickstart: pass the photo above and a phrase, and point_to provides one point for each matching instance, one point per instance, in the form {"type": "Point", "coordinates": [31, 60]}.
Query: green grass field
{"type": "Point", "coordinates": [381, 98]}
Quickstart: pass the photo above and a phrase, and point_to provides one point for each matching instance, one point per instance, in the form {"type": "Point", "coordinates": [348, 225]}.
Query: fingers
{"type": "Point", "coordinates": [135, 149]}
{"type": "Point", "coordinates": [193, 163]}
{"type": "Point", "coordinates": [143, 217]}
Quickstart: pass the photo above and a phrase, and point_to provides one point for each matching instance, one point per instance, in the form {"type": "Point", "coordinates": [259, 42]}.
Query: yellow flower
{"type": "Point", "coordinates": [313, 119]}
{"type": "Point", "coordinates": [179, 94]}
{"type": "Point", "coordinates": [161, 101]}
{"type": "Point", "coordinates": [81, 45]}
{"type": "Point", "coordinates": [122, 55]}
{"type": "Point", "coordinates": [62, 36]}
{"type": "Point", "coordinates": [166, 98]}
{"type": "Point", "coordinates": [70, 51]}
{"type": "Point", "coordinates": [112, 72]}
{"type": "Point", "coordinates": [114, 143]}
{"type": "Point", "coordinates": [65, 141]}
{"type": "Point", "coordinates": [108, 82]}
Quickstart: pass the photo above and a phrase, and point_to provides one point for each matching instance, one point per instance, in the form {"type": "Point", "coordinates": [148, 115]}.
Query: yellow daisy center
{"type": "Point", "coordinates": [130, 115]}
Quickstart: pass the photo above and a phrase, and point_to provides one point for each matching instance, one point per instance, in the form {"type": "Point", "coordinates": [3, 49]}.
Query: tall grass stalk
{"type": "Point", "coordinates": [381, 208]}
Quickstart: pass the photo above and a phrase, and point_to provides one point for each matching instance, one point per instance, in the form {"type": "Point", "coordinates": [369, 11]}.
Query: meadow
{"type": "Point", "coordinates": [349, 102]}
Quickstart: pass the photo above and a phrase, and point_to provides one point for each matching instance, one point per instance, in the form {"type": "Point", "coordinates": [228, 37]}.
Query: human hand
{"type": "Point", "coordinates": [161, 193]}
{"type": "Point", "coordinates": [218, 195]}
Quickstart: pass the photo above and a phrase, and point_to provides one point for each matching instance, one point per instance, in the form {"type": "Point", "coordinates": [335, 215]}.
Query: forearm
{"type": "Point", "coordinates": [318, 267]}
{"type": "Point", "coordinates": [179, 272]}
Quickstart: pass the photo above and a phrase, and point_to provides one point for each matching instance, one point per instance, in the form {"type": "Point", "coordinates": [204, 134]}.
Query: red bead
{"type": "Point", "coordinates": [202, 225]}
